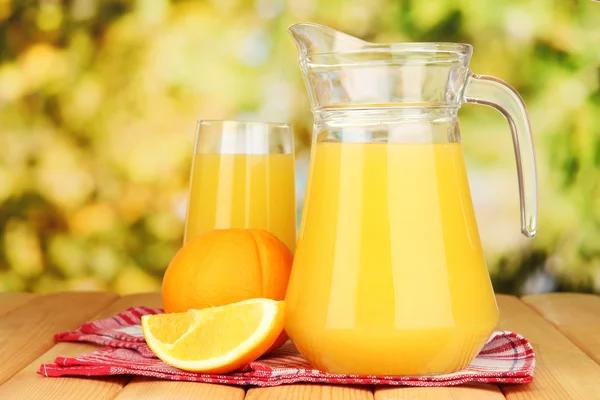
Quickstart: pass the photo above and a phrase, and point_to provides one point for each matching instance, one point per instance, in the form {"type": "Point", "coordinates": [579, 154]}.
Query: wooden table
{"type": "Point", "coordinates": [564, 329]}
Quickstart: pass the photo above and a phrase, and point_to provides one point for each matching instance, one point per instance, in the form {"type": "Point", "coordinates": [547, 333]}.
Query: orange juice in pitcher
{"type": "Point", "coordinates": [389, 276]}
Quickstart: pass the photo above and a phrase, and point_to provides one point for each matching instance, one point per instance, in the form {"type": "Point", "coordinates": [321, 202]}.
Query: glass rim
{"type": "Point", "coordinates": [270, 124]}
{"type": "Point", "coordinates": [425, 46]}
{"type": "Point", "coordinates": [409, 53]}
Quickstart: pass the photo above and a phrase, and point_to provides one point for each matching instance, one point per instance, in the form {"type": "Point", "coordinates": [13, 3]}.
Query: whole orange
{"type": "Point", "coordinates": [225, 266]}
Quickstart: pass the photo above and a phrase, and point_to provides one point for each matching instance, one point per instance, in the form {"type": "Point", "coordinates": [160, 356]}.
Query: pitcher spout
{"type": "Point", "coordinates": [341, 70]}
{"type": "Point", "coordinates": [318, 39]}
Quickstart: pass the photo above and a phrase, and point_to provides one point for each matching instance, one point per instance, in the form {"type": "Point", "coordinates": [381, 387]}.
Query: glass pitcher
{"type": "Point", "coordinates": [389, 277]}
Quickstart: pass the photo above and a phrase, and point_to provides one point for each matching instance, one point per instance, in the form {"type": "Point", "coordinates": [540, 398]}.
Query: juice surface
{"type": "Point", "coordinates": [243, 191]}
{"type": "Point", "coordinates": [389, 276]}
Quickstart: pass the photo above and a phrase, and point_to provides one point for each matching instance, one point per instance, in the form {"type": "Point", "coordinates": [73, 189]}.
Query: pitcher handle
{"type": "Point", "coordinates": [495, 93]}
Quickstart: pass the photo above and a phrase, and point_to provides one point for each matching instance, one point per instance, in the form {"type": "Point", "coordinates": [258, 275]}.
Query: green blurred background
{"type": "Point", "coordinates": [99, 101]}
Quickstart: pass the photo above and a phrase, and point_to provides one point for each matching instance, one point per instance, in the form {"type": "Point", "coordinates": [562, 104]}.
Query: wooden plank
{"type": "Point", "coordinates": [465, 392]}
{"type": "Point", "coordinates": [575, 315]}
{"type": "Point", "coordinates": [153, 389]}
{"type": "Point", "coordinates": [27, 384]}
{"type": "Point", "coordinates": [562, 370]}
{"type": "Point", "coordinates": [311, 391]}
{"type": "Point", "coordinates": [26, 334]}
{"type": "Point", "coordinates": [10, 301]}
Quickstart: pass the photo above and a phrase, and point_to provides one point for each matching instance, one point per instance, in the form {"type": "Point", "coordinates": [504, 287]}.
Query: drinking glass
{"type": "Point", "coordinates": [242, 176]}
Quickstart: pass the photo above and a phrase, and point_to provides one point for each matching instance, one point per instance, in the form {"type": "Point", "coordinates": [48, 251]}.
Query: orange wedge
{"type": "Point", "coordinates": [215, 340]}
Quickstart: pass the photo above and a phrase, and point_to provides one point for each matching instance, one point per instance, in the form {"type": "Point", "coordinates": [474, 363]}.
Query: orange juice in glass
{"type": "Point", "coordinates": [242, 176]}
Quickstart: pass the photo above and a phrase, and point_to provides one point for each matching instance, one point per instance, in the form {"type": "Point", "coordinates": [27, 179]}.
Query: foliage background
{"type": "Point", "coordinates": [99, 101]}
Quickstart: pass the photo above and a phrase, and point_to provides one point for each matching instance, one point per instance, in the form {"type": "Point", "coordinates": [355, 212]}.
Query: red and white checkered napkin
{"type": "Point", "coordinates": [506, 358]}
